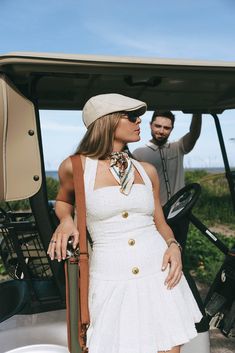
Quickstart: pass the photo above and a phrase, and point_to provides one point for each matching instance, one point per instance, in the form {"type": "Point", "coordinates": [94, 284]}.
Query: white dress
{"type": "Point", "coordinates": [131, 309]}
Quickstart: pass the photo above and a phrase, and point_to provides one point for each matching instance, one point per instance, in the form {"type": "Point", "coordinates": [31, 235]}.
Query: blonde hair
{"type": "Point", "coordinates": [98, 140]}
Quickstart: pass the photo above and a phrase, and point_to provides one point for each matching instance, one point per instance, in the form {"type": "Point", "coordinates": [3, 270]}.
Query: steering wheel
{"type": "Point", "coordinates": [181, 203]}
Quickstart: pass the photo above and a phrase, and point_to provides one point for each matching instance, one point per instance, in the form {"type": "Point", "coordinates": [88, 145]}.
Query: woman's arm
{"type": "Point", "coordinates": [172, 255]}
{"type": "Point", "coordinates": [64, 210]}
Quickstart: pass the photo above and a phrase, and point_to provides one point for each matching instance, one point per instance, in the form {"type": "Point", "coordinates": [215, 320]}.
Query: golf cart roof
{"type": "Point", "coordinates": [60, 81]}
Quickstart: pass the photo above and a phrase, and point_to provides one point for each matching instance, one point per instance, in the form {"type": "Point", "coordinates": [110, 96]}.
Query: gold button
{"type": "Point", "coordinates": [131, 242]}
{"type": "Point", "coordinates": [125, 214]}
{"type": "Point", "coordinates": [135, 270]}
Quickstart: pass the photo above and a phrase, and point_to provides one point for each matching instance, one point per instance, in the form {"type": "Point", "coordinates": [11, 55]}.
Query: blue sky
{"type": "Point", "coordinates": [187, 29]}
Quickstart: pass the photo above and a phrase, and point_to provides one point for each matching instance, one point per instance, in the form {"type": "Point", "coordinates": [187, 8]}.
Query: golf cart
{"type": "Point", "coordinates": [32, 312]}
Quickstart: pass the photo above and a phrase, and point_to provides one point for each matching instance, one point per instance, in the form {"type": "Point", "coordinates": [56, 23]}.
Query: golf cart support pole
{"type": "Point", "coordinates": [228, 173]}
{"type": "Point", "coordinates": [199, 225]}
{"type": "Point", "coordinates": [39, 203]}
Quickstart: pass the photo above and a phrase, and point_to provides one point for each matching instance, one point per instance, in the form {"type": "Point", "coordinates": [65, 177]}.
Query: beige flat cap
{"type": "Point", "coordinates": [104, 104]}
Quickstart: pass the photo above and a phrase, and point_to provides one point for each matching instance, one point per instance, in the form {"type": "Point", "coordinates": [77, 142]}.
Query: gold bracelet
{"type": "Point", "coordinates": [169, 240]}
{"type": "Point", "coordinates": [174, 241]}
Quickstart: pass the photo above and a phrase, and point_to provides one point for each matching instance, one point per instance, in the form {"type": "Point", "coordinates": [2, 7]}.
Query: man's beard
{"type": "Point", "coordinates": [159, 142]}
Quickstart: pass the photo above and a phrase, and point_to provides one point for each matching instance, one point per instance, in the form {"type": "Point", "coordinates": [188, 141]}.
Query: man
{"type": "Point", "coordinates": [168, 159]}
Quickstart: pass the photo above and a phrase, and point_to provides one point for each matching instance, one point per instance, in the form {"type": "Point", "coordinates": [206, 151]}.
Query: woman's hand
{"type": "Point", "coordinates": [172, 257]}
{"type": "Point", "coordinates": [59, 240]}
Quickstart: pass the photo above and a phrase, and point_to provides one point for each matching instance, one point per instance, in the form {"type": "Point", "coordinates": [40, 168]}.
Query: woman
{"type": "Point", "coordinates": [139, 301]}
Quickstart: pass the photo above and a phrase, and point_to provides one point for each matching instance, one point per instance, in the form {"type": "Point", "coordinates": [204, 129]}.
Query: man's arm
{"type": "Point", "coordinates": [191, 137]}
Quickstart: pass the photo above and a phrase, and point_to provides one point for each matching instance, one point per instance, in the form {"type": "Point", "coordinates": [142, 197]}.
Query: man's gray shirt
{"type": "Point", "coordinates": [173, 153]}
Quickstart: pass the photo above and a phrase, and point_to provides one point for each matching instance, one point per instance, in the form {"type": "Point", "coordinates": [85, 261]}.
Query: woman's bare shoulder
{"type": "Point", "coordinates": [151, 172]}
{"type": "Point", "coordinates": [65, 168]}
{"type": "Point", "coordinates": [149, 168]}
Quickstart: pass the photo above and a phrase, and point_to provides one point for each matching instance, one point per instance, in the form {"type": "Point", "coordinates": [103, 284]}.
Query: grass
{"type": "Point", "coordinates": [202, 258]}
{"type": "Point", "coordinates": [214, 207]}
{"type": "Point", "coordinates": [214, 204]}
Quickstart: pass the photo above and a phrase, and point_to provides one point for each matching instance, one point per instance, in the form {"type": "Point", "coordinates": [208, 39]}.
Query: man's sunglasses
{"type": "Point", "coordinates": [131, 116]}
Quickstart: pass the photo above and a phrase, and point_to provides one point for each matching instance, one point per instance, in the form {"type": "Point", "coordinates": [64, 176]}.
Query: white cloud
{"type": "Point", "coordinates": [145, 42]}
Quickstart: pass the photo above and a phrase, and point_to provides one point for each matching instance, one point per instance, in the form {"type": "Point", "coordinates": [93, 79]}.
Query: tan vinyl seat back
{"type": "Point", "coordinates": [20, 165]}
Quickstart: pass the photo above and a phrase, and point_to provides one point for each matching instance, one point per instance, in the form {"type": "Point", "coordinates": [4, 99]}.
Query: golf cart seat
{"type": "Point", "coordinates": [14, 296]}
{"type": "Point", "coordinates": [25, 260]}
{"type": "Point", "coordinates": [22, 251]}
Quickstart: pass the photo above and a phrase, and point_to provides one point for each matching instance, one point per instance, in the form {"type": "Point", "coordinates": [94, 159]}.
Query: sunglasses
{"type": "Point", "coordinates": [131, 116]}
